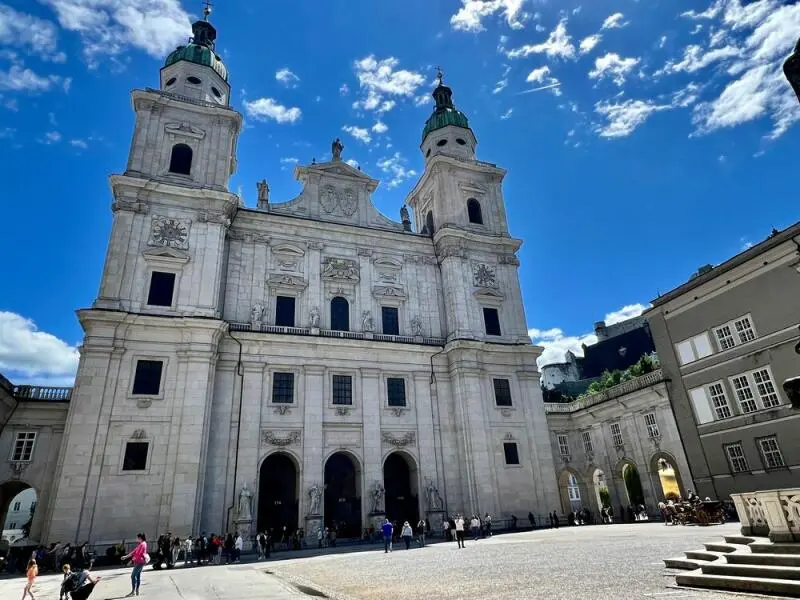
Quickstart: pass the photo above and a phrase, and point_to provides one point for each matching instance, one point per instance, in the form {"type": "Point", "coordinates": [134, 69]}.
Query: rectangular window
{"type": "Point", "coordinates": [23, 446]}
{"type": "Point", "coordinates": [502, 392]}
{"type": "Point", "coordinates": [765, 388]}
{"type": "Point", "coordinates": [396, 391]}
{"type": "Point", "coordinates": [12, 525]}
{"type": "Point", "coordinates": [511, 452]}
{"type": "Point", "coordinates": [744, 394]}
{"type": "Point", "coordinates": [491, 320]}
{"type": "Point", "coordinates": [736, 458]}
{"type": "Point", "coordinates": [343, 390]}
{"type": "Point", "coordinates": [718, 399]}
{"type": "Point", "coordinates": [724, 337]}
{"type": "Point", "coordinates": [283, 388]}
{"type": "Point", "coordinates": [744, 330]}
{"type": "Point", "coordinates": [390, 320]}
{"type": "Point", "coordinates": [652, 426]}
{"type": "Point", "coordinates": [147, 378]}
{"type": "Point", "coordinates": [694, 348]}
{"type": "Point", "coordinates": [773, 459]}
{"type": "Point", "coordinates": [162, 286]}
{"type": "Point", "coordinates": [616, 435]}
{"type": "Point", "coordinates": [587, 442]}
{"type": "Point", "coordinates": [135, 456]}
{"type": "Point", "coordinates": [284, 311]}
{"type": "Point", "coordinates": [16, 507]}
{"type": "Point", "coordinates": [563, 445]}
{"type": "Point", "coordinates": [702, 407]}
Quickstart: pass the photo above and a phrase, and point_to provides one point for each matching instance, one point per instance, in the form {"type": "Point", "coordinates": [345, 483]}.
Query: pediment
{"type": "Point", "coordinates": [489, 295]}
{"type": "Point", "coordinates": [289, 249]}
{"type": "Point", "coordinates": [335, 168]}
{"type": "Point", "coordinates": [185, 129]}
{"type": "Point", "coordinates": [166, 254]}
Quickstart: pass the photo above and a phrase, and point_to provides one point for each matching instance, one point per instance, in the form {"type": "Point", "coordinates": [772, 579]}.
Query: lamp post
{"type": "Point", "coordinates": [791, 68]}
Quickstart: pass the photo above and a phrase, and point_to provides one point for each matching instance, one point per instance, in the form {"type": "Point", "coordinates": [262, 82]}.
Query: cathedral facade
{"type": "Point", "coordinates": [300, 362]}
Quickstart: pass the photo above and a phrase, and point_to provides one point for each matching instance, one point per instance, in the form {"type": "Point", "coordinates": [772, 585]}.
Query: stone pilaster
{"type": "Point", "coordinates": [372, 402]}
{"type": "Point", "coordinates": [313, 434]}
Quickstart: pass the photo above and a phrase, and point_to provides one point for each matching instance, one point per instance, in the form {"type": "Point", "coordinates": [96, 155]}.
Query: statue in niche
{"type": "Point", "coordinates": [314, 495]}
{"type": "Point", "coordinates": [245, 497]}
{"type": "Point", "coordinates": [263, 192]}
{"type": "Point", "coordinates": [257, 313]}
{"type": "Point", "coordinates": [416, 326]}
{"type": "Point", "coordinates": [377, 498]}
{"type": "Point", "coordinates": [432, 496]}
{"type": "Point", "coordinates": [314, 317]}
{"type": "Point", "coordinates": [336, 149]}
{"type": "Point", "coordinates": [367, 322]}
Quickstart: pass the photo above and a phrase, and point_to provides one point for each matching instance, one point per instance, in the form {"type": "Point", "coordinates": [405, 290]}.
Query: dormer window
{"type": "Point", "coordinates": [460, 142]}
{"type": "Point", "coordinates": [216, 92]}
{"type": "Point", "coordinates": [474, 211]}
{"type": "Point", "coordinates": [193, 80]}
{"type": "Point", "coordinates": [441, 143]}
{"type": "Point", "coordinates": [181, 159]}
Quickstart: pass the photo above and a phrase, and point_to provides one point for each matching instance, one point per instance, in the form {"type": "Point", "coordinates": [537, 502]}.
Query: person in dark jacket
{"type": "Point", "coordinates": [387, 531]}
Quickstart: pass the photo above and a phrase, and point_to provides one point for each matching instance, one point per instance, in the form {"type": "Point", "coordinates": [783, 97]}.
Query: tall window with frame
{"type": "Point", "coordinates": [502, 392]}
{"type": "Point", "coordinates": [284, 311]}
{"type": "Point", "coordinates": [147, 377]}
{"type": "Point", "coordinates": [390, 321]}
{"type": "Point", "coordinates": [135, 458]}
{"type": "Point", "coordinates": [616, 435]}
{"type": "Point", "coordinates": [744, 394]}
{"type": "Point", "coordinates": [283, 388]}
{"type": "Point", "coordinates": [23, 446]}
{"type": "Point", "coordinates": [765, 388]}
{"type": "Point", "coordinates": [724, 337]}
{"type": "Point", "coordinates": [717, 393]}
{"type": "Point", "coordinates": [491, 321]}
{"type": "Point", "coordinates": [744, 330]}
{"type": "Point", "coordinates": [340, 314]}
{"type": "Point", "coordinates": [563, 444]}
{"type": "Point", "coordinates": [652, 425]}
{"type": "Point", "coordinates": [736, 458]}
{"type": "Point", "coordinates": [771, 453]}
{"type": "Point", "coordinates": [342, 390]}
{"type": "Point", "coordinates": [511, 453]}
{"type": "Point", "coordinates": [396, 392]}
{"type": "Point", "coordinates": [588, 448]}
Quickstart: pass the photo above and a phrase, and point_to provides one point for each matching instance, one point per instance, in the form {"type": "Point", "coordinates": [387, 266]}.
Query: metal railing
{"type": "Point", "coordinates": [329, 333]}
{"type": "Point", "coordinates": [43, 393]}
{"type": "Point", "coordinates": [616, 391]}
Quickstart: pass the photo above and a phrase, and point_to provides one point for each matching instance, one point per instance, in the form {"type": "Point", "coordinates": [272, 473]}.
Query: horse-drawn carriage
{"type": "Point", "coordinates": [709, 512]}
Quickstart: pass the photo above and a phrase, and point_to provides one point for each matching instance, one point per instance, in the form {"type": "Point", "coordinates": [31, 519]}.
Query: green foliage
{"type": "Point", "coordinates": [605, 496]}
{"type": "Point", "coordinates": [633, 484]}
{"type": "Point", "coordinates": [646, 364]}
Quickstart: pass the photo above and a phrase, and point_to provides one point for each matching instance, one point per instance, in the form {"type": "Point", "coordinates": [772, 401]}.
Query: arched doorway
{"type": "Point", "coordinates": [633, 484]}
{"type": "Point", "coordinates": [601, 492]}
{"type": "Point", "coordinates": [570, 489]}
{"type": "Point", "coordinates": [400, 483]}
{"type": "Point", "coordinates": [17, 506]}
{"type": "Point", "coordinates": [663, 467]}
{"type": "Point", "coordinates": [277, 494]}
{"type": "Point", "coordinates": [343, 495]}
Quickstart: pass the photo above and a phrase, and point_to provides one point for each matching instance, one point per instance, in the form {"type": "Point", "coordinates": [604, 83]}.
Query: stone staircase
{"type": "Point", "coordinates": [742, 564]}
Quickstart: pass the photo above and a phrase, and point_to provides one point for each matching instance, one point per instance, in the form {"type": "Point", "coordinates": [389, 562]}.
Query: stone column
{"type": "Point", "coordinates": [372, 471]}
{"type": "Point", "coordinates": [312, 469]}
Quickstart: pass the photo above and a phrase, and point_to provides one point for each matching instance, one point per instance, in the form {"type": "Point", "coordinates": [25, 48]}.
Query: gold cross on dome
{"type": "Point", "coordinates": [207, 6]}
{"type": "Point", "coordinates": [439, 74]}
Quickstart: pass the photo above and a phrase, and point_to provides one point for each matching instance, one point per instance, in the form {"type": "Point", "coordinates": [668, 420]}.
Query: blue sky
{"type": "Point", "coordinates": [642, 139]}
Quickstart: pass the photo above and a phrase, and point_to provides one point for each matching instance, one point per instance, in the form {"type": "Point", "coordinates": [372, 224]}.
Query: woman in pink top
{"type": "Point", "coordinates": [139, 558]}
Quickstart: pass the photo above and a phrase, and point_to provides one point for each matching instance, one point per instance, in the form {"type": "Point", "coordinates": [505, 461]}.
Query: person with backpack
{"type": "Point", "coordinates": [77, 584]}
{"type": "Point", "coordinates": [139, 558]}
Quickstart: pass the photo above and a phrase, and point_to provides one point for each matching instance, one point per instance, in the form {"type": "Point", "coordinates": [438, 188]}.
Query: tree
{"type": "Point", "coordinates": [605, 496]}
{"type": "Point", "coordinates": [633, 484]}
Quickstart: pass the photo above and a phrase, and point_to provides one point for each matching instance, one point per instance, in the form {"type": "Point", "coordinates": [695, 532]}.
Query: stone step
{"type": "Point", "coordinates": [762, 558]}
{"type": "Point", "coordinates": [720, 547]}
{"type": "Point", "coordinates": [740, 539]}
{"type": "Point", "coordinates": [785, 587]}
{"type": "Point", "coordinates": [785, 548]}
{"type": "Point", "coordinates": [681, 562]}
{"type": "Point", "coordinates": [702, 555]}
{"type": "Point", "coordinates": [757, 571]}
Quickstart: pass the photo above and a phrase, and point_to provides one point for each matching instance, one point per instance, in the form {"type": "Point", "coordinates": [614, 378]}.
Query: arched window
{"type": "Point", "coordinates": [573, 489]}
{"type": "Point", "coordinates": [181, 159]}
{"type": "Point", "coordinates": [429, 223]}
{"type": "Point", "coordinates": [474, 211]}
{"type": "Point", "coordinates": [340, 314]}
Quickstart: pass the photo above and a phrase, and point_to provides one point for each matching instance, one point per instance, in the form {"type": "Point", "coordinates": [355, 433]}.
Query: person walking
{"type": "Point", "coordinates": [30, 573]}
{"type": "Point", "coordinates": [238, 546]}
{"type": "Point", "coordinates": [488, 520]}
{"type": "Point", "coordinates": [387, 531]}
{"type": "Point", "coordinates": [262, 545]}
{"type": "Point", "coordinates": [475, 527]}
{"type": "Point", "coordinates": [228, 552]}
{"type": "Point", "coordinates": [407, 533]}
{"type": "Point", "coordinates": [421, 527]}
{"type": "Point", "coordinates": [532, 520]}
{"type": "Point", "coordinates": [446, 529]}
{"type": "Point", "coordinates": [460, 531]}
{"type": "Point", "coordinates": [188, 547]}
{"type": "Point", "coordinates": [139, 558]}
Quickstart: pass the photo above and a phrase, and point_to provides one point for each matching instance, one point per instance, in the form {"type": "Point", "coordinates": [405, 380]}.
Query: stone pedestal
{"type": "Point", "coordinates": [376, 520]}
{"type": "Point", "coordinates": [368, 335]}
{"type": "Point", "coordinates": [315, 331]}
{"type": "Point", "coordinates": [313, 524]}
{"type": "Point", "coordinates": [436, 518]}
{"type": "Point", "coordinates": [244, 527]}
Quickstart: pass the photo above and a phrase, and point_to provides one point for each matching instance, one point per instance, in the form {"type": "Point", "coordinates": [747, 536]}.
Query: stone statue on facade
{"type": "Point", "coordinates": [244, 503]}
{"type": "Point", "coordinates": [336, 149]}
{"type": "Point", "coordinates": [432, 496]}
{"type": "Point", "coordinates": [263, 193]}
{"type": "Point", "coordinates": [416, 326]}
{"type": "Point", "coordinates": [377, 497]}
{"type": "Point", "coordinates": [314, 318]}
{"type": "Point", "coordinates": [257, 313]}
{"type": "Point", "coordinates": [367, 322]}
{"type": "Point", "coordinates": [315, 496]}
{"type": "Point", "coordinates": [405, 218]}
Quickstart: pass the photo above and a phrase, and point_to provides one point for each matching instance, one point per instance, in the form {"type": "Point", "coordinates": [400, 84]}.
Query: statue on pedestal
{"type": "Point", "coordinates": [263, 193]}
{"type": "Point", "coordinates": [336, 149]}
{"type": "Point", "coordinates": [314, 495]}
{"type": "Point", "coordinates": [367, 323]}
{"type": "Point", "coordinates": [432, 496]}
{"type": "Point", "coordinates": [377, 498]}
{"type": "Point", "coordinates": [315, 318]}
{"type": "Point", "coordinates": [257, 313]}
{"type": "Point", "coordinates": [244, 504]}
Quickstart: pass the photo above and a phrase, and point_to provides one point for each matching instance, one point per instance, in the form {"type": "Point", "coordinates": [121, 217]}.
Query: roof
{"type": "Point", "coordinates": [200, 55]}
{"type": "Point", "coordinates": [445, 112]}
{"type": "Point", "coordinates": [771, 242]}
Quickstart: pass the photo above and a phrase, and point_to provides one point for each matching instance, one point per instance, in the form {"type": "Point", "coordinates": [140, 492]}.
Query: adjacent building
{"type": "Point", "coordinates": [725, 340]}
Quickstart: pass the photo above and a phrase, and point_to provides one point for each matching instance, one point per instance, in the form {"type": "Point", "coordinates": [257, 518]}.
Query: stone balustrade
{"type": "Point", "coordinates": [616, 391]}
{"type": "Point", "coordinates": [351, 335]}
{"type": "Point", "coordinates": [775, 513]}
{"type": "Point", "coordinates": [43, 393]}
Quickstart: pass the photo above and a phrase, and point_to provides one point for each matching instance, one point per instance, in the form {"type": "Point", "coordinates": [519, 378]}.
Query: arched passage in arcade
{"type": "Point", "coordinates": [669, 484]}
{"type": "Point", "coordinates": [400, 482]}
{"type": "Point", "coordinates": [278, 484]}
{"type": "Point", "coordinates": [343, 494]}
{"type": "Point", "coordinates": [572, 491]}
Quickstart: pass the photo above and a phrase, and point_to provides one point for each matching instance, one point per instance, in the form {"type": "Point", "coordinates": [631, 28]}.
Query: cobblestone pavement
{"type": "Point", "coordinates": [592, 563]}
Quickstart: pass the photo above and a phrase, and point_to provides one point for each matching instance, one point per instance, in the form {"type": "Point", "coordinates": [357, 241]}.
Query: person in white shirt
{"type": "Point", "coordinates": [238, 544]}
{"type": "Point", "coordinates": [460, 531]}
{"type": "Point", "coordinates": [188, 547]}
{"type": "Point", "coordinates": [475, 526]}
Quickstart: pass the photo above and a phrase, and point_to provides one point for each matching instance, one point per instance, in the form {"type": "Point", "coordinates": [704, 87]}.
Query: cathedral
{"type": "Point", "coordinates": [302, 362]}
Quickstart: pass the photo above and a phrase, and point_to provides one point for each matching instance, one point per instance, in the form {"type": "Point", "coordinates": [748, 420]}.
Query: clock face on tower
{"type": "Point", "coordinates": [169, 233]}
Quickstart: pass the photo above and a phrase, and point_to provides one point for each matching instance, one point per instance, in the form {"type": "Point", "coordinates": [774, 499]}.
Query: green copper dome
{"type": "Point", "coordinates": [200, 50]}
{"type": "Point", "coordinates": [445, 113]}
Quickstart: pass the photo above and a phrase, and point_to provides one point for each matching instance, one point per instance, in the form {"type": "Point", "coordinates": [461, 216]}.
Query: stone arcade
{"type": "Point", "coordinates": [305, 361]}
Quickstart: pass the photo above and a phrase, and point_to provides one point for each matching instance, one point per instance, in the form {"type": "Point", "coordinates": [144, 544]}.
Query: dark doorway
{"type": "Point", "coordinates": [399, 480]}
{"type": "Point", "coordinates": [277, 494]}
{"type": "Point", "coordinates": [343, 495]}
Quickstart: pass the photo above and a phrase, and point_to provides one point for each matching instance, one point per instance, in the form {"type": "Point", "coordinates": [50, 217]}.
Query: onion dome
{"type": "Point", "coordinates": [200, 50]}
{"type": "Point", "coordinates": [444, 113]}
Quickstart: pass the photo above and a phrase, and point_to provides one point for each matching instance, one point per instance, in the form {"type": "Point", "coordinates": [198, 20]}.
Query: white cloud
{"type": "Point", "coordinates": [742, 100]}
{"type": "Point", "coordinates": [538, 75]}
{"type": "Point", "coordinates": [588, 43]}
{"type": "Point", "coordinates": [381, 78]}
{"type": "Point", "coordinates": [21, 30]}
{"type": "Point", "coordinates": [624, 117]}
{"type": "Point", "coordinates": [380, 127]}
{"type": "Point", "coordinates": [395, 167]}
{"type": "Point", "coordinates": [500, 86]}
{"type": "Point", "coordinates": [359, 133]}
{"type": "Point", "coordinates": [662, 42]}
{"type": "Point", "coordinates": [344, 90]}
{"type": "Point", "coordinates": [287, 78]}
{"type": "Point", "coordinates": [289, 160]}
{"type": "Point", "coordinates": [265, 109]}
{"type": "Point", "coordinates": [507, 114]}
{"type": "Point", "coordinates": [686, 96]}
{"type": "Point", "coordinates": [697, 29]}
{"type": "Point", "coordinates": [472, 12]}
{"type": "Point", "coordinates": [710, 13]}
{"type": "Point", "coordinates": [51, 137]}
{"type": "Point", "coordinates": [615, 21]}
{"type": "Point", "coordinates": [556, 343]}
{"type": "Point", "coordinates": [79, 144]}
{"type": "Point", "coordinates": [423, 99]}
{"type": "Point", "coordinates": [613, 67]}
{"type": "Point", "coordinates": [109, 27]}
{"type": "Point", "coordinates": [28, 355]}
{"type": "Point", "coordinates": [695, 58]}
{"type": "Point", "coordinates": [557, 45]}
{"type": "Point", "coordinates": [18, 79]}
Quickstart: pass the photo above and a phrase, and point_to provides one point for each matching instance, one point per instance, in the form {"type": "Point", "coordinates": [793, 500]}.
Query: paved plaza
{"type": "Point", "coordinates": [619, 562]}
